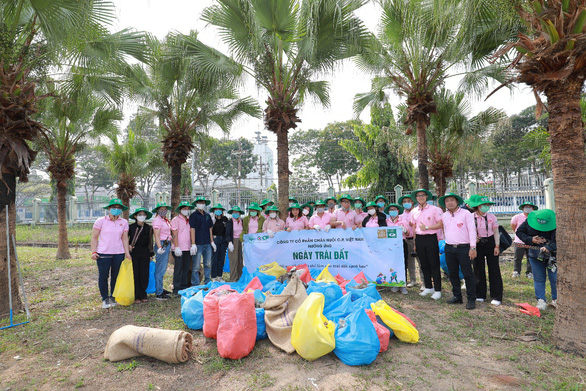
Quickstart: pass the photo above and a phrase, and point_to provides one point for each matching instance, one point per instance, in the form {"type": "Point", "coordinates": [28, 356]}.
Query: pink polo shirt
{"type": "Point", "coordinates": [517, 220]}
{"type": "Point", "coordinates": [459, 227]}
{"type": "Point", "coordinates": [297, 225]}
{"type": "Point", "coordinates": [372, 222]}
{"type": "Point", "coordinates": [253, 225]}
{"type": "Point", "coordinates": [164, 226]}
{"type": "Point", "coordinates": [429, 215]}
{"type": "Point", "coordinates": [110, 238]}
{"type": "Point", "coordinates": [359, 217]}
{"type": "Point", "coordinates": [406, 216]}
{"type": "Point", "coordinates": [237, 228]}
{"type": "Point", "coordinates": [321, 221]}
{"type": "Point", "coordinates": [274, 225]}
{"type": "Point", "coordinates": [346, 217]}
{"type": "Point", "coordinates": [398, 223]}
{"type": "Point", "coordinates": [180, 225]}
{"type": "Point", "coordinates": [481, 225]}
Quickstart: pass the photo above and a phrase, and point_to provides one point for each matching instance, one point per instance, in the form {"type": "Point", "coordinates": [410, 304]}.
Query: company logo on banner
{"type": "Point", "coordinates": [378, 252]}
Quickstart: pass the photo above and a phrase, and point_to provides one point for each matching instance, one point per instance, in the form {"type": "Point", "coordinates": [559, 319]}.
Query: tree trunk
{"type": "Point", "coordinates": [7, 197]}
{"type": "Point", "coordinates": [126, 201]}
{"type": "Point", "coordinates": [283, 170]}
{"type": "Point", "coordinates": [175, 187]}
{"type": "Point", "coordinates": [62, 242]}
{"type": "Point", "coordinates": [422, 154]}
{"type": "Point", "coordinates": [441, 188]}
{"type": "Point", "coordinates": [569, 177]}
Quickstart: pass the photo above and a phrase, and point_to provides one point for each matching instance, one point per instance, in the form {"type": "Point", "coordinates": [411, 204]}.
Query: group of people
{"type": "Point", "coordinates": [195, 237]}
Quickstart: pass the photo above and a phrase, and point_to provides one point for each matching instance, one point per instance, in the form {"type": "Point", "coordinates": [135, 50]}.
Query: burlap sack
{"type": "Point", "coordinates": [280, 311]}
{"type": "Point", "coordinates": [172, 346]}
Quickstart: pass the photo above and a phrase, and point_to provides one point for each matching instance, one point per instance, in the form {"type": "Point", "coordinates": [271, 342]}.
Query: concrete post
{"type": "Point", "coordinates": [166, 197]}
{"type": "Point", "coordinates": [471, 186]}
{"type": "Point", "coordinates": [72, 210]}
{"type": "Point", "coordinates": [36, 211]}
{"type": "Point", "coordinates": [398, 192]}
{"type": "Point", "coordinates": [215, 196]}
{"type": "Point", "coordinates": [271, 195]}
{"type": "Point", "coordinates": [157, 198]}
{"type": "Point", "coordinates": [549, 194]}
{"type": "Point", "coordinates": [330, 192]}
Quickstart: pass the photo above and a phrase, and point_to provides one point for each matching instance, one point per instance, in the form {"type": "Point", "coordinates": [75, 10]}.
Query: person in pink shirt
{"type": "Point", "coordinates": [426, 242]}
{"type": "Point", "coordinates": [109, 246]}
{"type": "Point", "coordinates": [516, 221]}
{"type": "Point", "coordinates": [359, 205]}
{"type": "Point", "coordinates": [273, 223]}
{"type": "Point", "coordinates": [181, 232]}
{"type": "Point", "coordinates": [296, 221]}
{"type": "Point", "coordinates": [307, 211]}
{"type": "Point", "coordinates": [460, 234]}
{"type": "Point", "coordinates": [395, 220]}
{"type": "Point", "coordinates": [344, 216]}
{"type": "Point", "coordinates": [407, 203]}
{"type": "Point", "coordinates": [374, 218]}
{"type": "Point", "coordinates": [163, 240]}
{"type": "Point", "coordinates": [321, 219]}
{"type": "Point", "coordinates": [234, 228]}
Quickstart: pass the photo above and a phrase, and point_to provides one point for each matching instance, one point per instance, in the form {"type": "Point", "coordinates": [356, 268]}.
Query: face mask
{"type": "Point", "coordinates": [235, 215]}
{"type": "Point", "coordinates": [115, 211]}
{"type": "Point", "coordinates": [358, 205]}
{"type": "Point", "coordinates": [331, 205]}
{"type": "Point", "coordinates": [141, 218]}
{"type": "Point", "coordinates": [162, 213]}
{"type": "Point", "coordinates": [200, 206]}
{"type": "Point", "coordinates": [527, 209]}
{"type": "Point", "coordinates": [484, 208]}
{"type": "Point", "coordinates": [407, 205]}
{"type": "Point", "coordinates": [320, 210]}
{"type": "Point", "coordinates": [253, 214]}
{"type": "Point", "coordinates": [371, 212]}
{"type": "Point", "coordinates": [272, 215]}
{"type": "Point", "coordinates": [218, 212]}
{"type": "Point", "coordinates": [185, 212]}
{"type": "Point", "coordinates": [305, 212]}
{"type": "Point", "coordinates": [381, 204]}
{"type": "Point", "coordinates": [393, 213]}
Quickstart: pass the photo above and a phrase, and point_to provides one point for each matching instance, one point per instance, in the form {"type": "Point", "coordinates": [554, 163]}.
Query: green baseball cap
{"type": "Point", "coordinates": [116, 201]}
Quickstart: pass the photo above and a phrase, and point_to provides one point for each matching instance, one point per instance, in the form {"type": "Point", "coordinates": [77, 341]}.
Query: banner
{"type": "Point", "coordinates": [378, 252]}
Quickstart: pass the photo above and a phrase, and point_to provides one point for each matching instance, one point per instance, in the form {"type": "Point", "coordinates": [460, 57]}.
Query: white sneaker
{"type": "Point", "coordinates": [541, 304]}
{"type": "Point", "coordinates": [480, 300]}
{"type": "Point", "coordinates": [404, 291]}
{"type": "Point", "coordinates": [530, 276]}
{"type": "Point", "coordinates": [463, 287]}
{"type": "Point", "coordinates": [422, 288]}
{"type": "Point", "coordinates": [553, 304]}
{"type": "Point", "coordinates": [395, 289]}
{"type": "Point", "coordinates": [105, 303]}
{"type": "Point", "coordinates": [515, 274]}
{"type": "Point", "coordinates": [495, 302]}
{"type": "Point", "coordinates": [113, 302]}
{"type": "Point", "coordinates": [410, 285]}
{"type": "Point", "coordinates": [426, 292]}
{"type": "Point", "coordinates": [436, 295]}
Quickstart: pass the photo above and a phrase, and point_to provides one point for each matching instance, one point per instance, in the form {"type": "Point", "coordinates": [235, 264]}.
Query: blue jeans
{"type": "Point", "coordinates": [161, 261]}
{"type": "Point", "coordinates": [203, 251]}
{"type": "Point", "coordinates": [539, 273]}
{"type": "Point", "coordinates": [108, 264]}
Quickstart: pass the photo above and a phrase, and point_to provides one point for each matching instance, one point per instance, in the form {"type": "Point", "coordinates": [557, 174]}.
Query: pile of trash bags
{"type": "Point", "coordinates": [299, 309]}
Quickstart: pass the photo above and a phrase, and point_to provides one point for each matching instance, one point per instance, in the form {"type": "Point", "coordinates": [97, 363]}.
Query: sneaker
{"type": "Point", "coordinates": [166, 291]}
{"type": "Point", "coordinates": [470, 305]}
{"type": "Point", "coordinates": [106, 303]}
{"type": "Point", "coordinates": [162, 296]}
{"type": "Point", "coordinates": [529, 276]}
{"type": "Point", "coordinates": [411, 284]}
{"type": "Point", "coordinates": [455, 300]}
{"type": "Point", "coordinates": [541, 304]}
{"type": "Point", "coordinates": [394, 289]}
{"type": "Point", "coordinates": [463, 287]}
{"type": "Point", "coordinates": [422, 288]}
{"type": "Point", "coordinates": [495, 302]}
{"type": "Point", "coordinates": [113, 302]}
{"type": "Point", "coordinates": [480, 300]}
{"type": "Point", "coordinates": [404, 291]}
{"type": "Point", "coordinates": [515, 274]}
{"type": "Point", "coordinates": [436, 295]}
{"type": "Point", "coordinates": [553, 304]}
{"type": "Point", "coordinates": [427, 292]}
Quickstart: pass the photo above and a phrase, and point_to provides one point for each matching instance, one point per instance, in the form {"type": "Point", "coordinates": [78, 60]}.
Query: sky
{"type": "Point", "coordinates": [159, 17]}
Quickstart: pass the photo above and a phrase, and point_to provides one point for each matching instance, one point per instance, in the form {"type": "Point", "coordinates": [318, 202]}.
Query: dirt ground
{"type": "Point", "coordinates": [490, 348]}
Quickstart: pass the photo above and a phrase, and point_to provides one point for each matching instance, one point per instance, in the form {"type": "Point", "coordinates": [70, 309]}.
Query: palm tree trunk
{"type": "Point", "coordinates": [62, 242]}
{"type": "Point", "coordinates": [441, 188]}
{"type": "Point", "coordinates": [7, 197]}
{"type": "Point", "coordinates": [126, 201]}
{"type": "Point", "coordinates": [569, 178]}
{"type": "Point", "coordinates": [422, 154]}
{"type": "Point", "coordinates": [283, 169]}
{"type": "Point", "coordinates": [175, 186]}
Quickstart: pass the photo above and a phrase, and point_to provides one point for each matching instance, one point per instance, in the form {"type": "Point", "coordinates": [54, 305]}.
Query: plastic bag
{"type": "Point", "coordinates": [384, 335]}
{"type": "Point", "coordinates": [370, 290]}
{"type": "Point", "coordinates": [261, 328]}
{"type": "Point", "coordinates": [340, 308]}
{"type": "Point", "coordinates": [237, 325]}
{"type": "Point", "coordinates": [364, 302]}
{"type": "Point", "coordinates": [151, 288]}
{"type": "Point", "coordinates": [404, 316]}
{"type": "Point", "coordinates": [272, 286]}
{"type": "Point", "coordinates": [443, 262]}
{"type": "Point", "coordinates": [339, 279]}
{"type": "Point", "coordinates": [312, 334]}
{"type": "Point", "coordinates": [259, 297]}
{"type": "Point", "coordinates": [253, 285]}
{"type": "Point", "coordinates": [357, 342]}
{"type": "Point", "coordinates": [193, 290]}
{"type": "Point", "coordinates": [330, 290]}
{"type": "Point", "coordinates": [124, 288]}
{"type": "Point", "coordinates": [326, 276]}
{"type": "Point", "coordinates": [360, 278]}
{"type": "Point", "coordinates": [304, 275]}
{"type": "Point", "coordinates": [210, 310]}
{"type": "Point", "coordinates": [272, 269]}
{"type": "Point", "coordinates": [314, 273]}
{"type": "Point", "coordinates": [264, 278]}
{"type": "Point", "coordinates": [401, 327]}
{"type": "Point", "coordinates": [245, 278]}
{"type": "Point", "coordinates": [298, 267]}
{"type": "Point", "coordinates": [226, 268]}
{"type": "Point", "coordinates": [192, 311]}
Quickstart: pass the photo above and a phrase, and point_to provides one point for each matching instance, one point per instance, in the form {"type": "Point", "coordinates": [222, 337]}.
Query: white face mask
{"type": "Point", "coordinates": [272, 215]}
{"type": "Point", "coordinates": [527, 209]}
{"type": "Point", "coordinates": [305, 212]}
{"type": "Point", "coordinates": [200, 206]}
{"type": "Point", "coordinates": [185, 212]}
{"type": "Point", "coordinates": [320, 210]}
{"type": "Point", "coordinates": [141, 218]}
{"type": "Point", "coordinates": [371, 211]}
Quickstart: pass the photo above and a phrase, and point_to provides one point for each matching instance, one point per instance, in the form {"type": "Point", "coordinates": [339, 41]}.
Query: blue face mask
{"type": "Point", "coordinates": [484, 208]}
{"type": "Point", "coordinates": [235, 215]}
{"type": "Point", "coordinates": [218, 212]}
{"type": "Point", "coordinates": [393, 213]}
{"type": "Point", "coordinates": [407, 205]}
{"type": "Point", "coordinates": [381, 204]}
{"type": "Point", "coordinates": [253, 214]}
{"type": "Point", "coordinates": [115, 211]}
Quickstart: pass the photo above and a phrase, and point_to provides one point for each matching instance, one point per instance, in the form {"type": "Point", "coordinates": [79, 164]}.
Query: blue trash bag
{"type": "Point", "coordinates": [191, 291]}
{"type": "Point", "coordinates": [340, 308]}
{"type": "Point", "coordinates": [261, 328]}
{"type": "Point", "coordinates": [357, 342]}
{"type": "Point", "coordinates": [272, 286]}
{"type": "Point", "coordinates": [264, 278]}
{"type": "Point", "coordinates": [259, 296]}
{"type": "Point", "coordinates": [330, 290]}
{"type": "Point", "coordinates": [280, 289]}
{"type": "Point", "coordinates": [443, 263]}
{"type": "Point", "coordinates": [151, 286]}
{"type": "Point", "coordinates": [370, 290]}
{"type": "Point", "coordinates": [313, 272]}
{"type": "Point", "coordinates": [364, 302]}
{"type": "Point", "coordinates": [192, 311]}
{"type": "Point", "coordinates": [351, 283]}
{"type": "Point", "coordinates": [245, 278]}
{"type": "Point", "coordinates": [226, 268]}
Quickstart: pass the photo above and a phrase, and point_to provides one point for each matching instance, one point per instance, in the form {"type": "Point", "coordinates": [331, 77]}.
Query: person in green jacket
{"type": "Point", "coordinates": [252, 223]}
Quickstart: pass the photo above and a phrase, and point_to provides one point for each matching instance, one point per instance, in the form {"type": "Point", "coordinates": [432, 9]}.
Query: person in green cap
{"type": "Point", "coordinates": [407, 203]}
{"type": "Point", "coordinates": [220, 240]}
{"type": "Point", "coordinates": [252, 223]}
{"type": "Point", "coordinates": [163, 241]}
{"type": "Point", "coordinates": [234, 228]}
{"type": "Point", "coordinates": [273, 223]}
{"type": "Point", "coordinates": [182, 243]}
{"type": "Point", "coordinates": [331, 202]}
{"type": "Point", "coordinates": [539, 232]}
{"type": "Point", "coordinates": [394, 212]}
{"type": "Point", "coordinates": [359, 205]}
{"type": "Point", "coordinates": [307, 210]}
{"type": "Point", "coordinates": [296, 221]}
{"type": "Point", "coordinates": [344, 216]}
{"type": "Point", "coordinates": [202, 240]}
{"type": "Point", "coordinates": [516, 221]}
{"type": "Point", "coordinates": [321, 218]}
{"type": "Point", "coordinates": [264, 204]}
{"type": "Point", "coordinates": [141, 249]}
{"type": "Point", "coordinates": [381, 201]}
{"type": "Point", "coordinates": [109, 246]}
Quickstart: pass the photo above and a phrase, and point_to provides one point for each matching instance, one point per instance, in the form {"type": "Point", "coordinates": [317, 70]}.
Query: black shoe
{"type": "Point", "coordinates": [162, 296]}
{"type": "Point", "coordinates": [470, 305]}
{"type": "Point", "coordinates": [455, 300]}
{"type": "Point", "coordinates": [166, 292]}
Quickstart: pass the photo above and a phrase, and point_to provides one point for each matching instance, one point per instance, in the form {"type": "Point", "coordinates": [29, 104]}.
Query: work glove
{"type": "Point", "coordinates": [317, 227]}
{"type": "Point", "coordinates": [327, 228]}
{"type": "Point", "coordinates": [193, 249]}
{"type": "Point", "coordinates": [178, 252]}
{"type": "Point", "coordinates": [161, 250]}
{"type": "Point", "coordinates": [271, 233]}
{"type": "Point", "coordinates": [214, 246]}
{"type": "Point", "coordinates": [231, 246]}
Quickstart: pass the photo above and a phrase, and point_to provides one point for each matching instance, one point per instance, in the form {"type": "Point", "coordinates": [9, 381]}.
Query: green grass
{"type": "Point", "coordinates": [79, 234]}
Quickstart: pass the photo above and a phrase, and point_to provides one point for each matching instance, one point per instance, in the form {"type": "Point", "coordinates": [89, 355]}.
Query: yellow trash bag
{"type": "Point", "coordinates": [272, 269]}
{"type": "Point", "coordinates": [312, 334]}
{"type": "Point", "coordinates": [326, 276]}
{"type": "Point", "coordinates": [400, 326]}
{"type": "Point", "coordinates": [124, 288]}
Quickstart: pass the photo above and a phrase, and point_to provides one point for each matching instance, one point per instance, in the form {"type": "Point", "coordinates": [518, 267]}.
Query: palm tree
{"type": "Point", "coordinates": [552, 61]}
{"type": "Point", "coordinates": [191, 87]}
{"type": "Point", "coordinates": [285, 45]}
{"type": "Point", "coordinates": [452, 133]}
{"type": "Point", "coordinates": [419, 45]}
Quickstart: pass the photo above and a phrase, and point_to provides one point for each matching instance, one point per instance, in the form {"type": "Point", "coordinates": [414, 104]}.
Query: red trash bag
{"type": "Point", "coordinates": [254, 285]}
{"type": "Point", "coordinates": [210, 310]}
{"type": "Point", "coordinates": [384, 335]}
{"type": "Point", "coordinates": [305, 276]}
{"type": "Point", "coordinates": [340, 279]}
{"type": "Point", "coordinates": [360, 278]}
{"type": "Point", "coordinates": [237, 326]}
